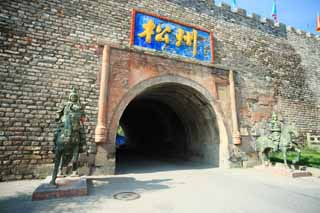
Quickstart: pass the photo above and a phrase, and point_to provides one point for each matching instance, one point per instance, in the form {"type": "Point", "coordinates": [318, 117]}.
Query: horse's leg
{"type": "Point", "coordinates": [56, 167]}
{"type": "Point", "coordinates": [261, 157]}
{"type": "Point", "coordinates": [297, 159]}
{"type": "Point", "coordinates": [268, 156]}
{"type": "Point", "coordinates": [284, 152]}
{"type": "Point", "coordinates": [60, 173]}
{"type": "Point", "coordinates": [75, 155]}
{"type": "Point", "coordinates": [265, 157]}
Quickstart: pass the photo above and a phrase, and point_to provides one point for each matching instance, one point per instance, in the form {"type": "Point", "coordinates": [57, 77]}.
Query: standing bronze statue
{"type": "Point", "coordinates": [69, 137]}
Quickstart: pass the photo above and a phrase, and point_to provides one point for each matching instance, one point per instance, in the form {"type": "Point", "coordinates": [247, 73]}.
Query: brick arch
{"type": "Point", "coordinates": [223, 129]}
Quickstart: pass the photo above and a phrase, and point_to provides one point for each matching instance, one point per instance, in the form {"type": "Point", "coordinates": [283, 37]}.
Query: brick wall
{"type": "Point", "coordinates": [48, 46]}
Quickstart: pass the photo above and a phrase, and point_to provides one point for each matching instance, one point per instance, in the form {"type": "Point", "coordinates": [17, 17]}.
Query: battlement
{"type": "Point", "coordinates": [270, 22]}
{"type": "Point", "coordinates": [302, 33]}
{"type": "Point", "coordinates": [211, 8]}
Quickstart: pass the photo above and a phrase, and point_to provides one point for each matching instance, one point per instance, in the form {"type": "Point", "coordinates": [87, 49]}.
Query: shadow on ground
{"type": "Point", "coordinates": [107, 187]}
{"type": "Point", "coordinates": [99, 189]}
{"type": "Point", "coordinates": [134, 163]}
{"type": "Point", "coordinates": [103, 189]}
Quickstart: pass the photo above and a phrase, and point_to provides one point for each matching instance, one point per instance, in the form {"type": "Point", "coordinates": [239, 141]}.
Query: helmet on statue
{"type": "Point", "coordinates": [73, 97]}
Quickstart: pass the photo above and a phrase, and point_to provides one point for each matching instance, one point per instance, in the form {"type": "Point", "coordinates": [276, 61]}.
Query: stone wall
{"type": "Point", "coordinates": [48, 46]}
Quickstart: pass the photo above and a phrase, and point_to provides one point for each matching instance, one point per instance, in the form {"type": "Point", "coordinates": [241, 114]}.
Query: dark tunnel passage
{"type": "Point", "coordinates": [168, 123]}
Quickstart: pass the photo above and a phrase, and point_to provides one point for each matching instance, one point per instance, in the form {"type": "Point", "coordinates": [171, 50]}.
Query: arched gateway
{"type": "Point", "coordinates": [172, 113]}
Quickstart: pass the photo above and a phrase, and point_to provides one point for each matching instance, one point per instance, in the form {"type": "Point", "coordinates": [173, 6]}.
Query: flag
{"type": "Point", "coordinates": [318, 23]}
{"type": "Point", "coordinates": [234, 3]}
{"type": "Point", "coordinates": [274, 11]}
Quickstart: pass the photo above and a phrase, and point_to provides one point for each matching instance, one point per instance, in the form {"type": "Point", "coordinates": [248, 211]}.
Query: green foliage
{"type": "Point", "coordinates": [309, 157]}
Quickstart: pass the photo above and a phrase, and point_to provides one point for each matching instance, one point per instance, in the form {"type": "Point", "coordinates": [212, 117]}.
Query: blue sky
{"type": "Point", "coordinates": [300, 14]}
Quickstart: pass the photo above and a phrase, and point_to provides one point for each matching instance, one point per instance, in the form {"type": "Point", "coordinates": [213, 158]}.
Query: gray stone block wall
{"type": "Point", "coordinates": [48, 46]}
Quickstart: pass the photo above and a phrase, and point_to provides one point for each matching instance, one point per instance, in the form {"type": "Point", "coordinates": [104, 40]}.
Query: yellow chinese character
{"type": "Point", "coordinates": [148, 30]}
{"type": "Point", "coordinates": [189, 38]}
{"type": "Point", "coordinates": [179, 37]}
{"type": "Point", "coordinates": [163, 36]}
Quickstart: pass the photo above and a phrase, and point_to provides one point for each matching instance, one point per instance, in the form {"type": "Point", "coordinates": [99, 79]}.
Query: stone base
{"type": "Point", "coordinates": [250, 163]}
{"type": "Point", "coordinates": [301, 174]}
{"type": "Point", "coordinates": [284, 171]}
{"type": "Point", "coordinates": [66, 187]}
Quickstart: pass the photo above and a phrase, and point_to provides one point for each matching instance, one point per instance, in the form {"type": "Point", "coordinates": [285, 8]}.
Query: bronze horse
{"type": "Point", "coordinates": [69, 137]}
{"type": "Point", "coordinates": [265, 145]}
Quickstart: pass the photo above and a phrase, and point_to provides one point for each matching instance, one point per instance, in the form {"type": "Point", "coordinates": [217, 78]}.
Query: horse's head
{"type": "Point", "coordinates": [292, 130]}
{"type": "Point", "coordinates": [288, 134]}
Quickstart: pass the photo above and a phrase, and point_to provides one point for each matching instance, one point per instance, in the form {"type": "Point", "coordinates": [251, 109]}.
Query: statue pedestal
{"type": "Point", "coordinates": [66, 187]}
{"type": "Point", "coordinates": [280, 169]}
{"type": "Point", "coordinates": [298, 173]}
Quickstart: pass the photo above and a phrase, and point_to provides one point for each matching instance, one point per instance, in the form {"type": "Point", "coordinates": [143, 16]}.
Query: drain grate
{"type": "Point", "coordinates": [126, 196]}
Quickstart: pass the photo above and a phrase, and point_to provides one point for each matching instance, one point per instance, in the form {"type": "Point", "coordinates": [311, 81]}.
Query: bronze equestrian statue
{"type": "Point", "coordinates": [69, 137]}
{"type": "Point", "coordinates": [280, 139]}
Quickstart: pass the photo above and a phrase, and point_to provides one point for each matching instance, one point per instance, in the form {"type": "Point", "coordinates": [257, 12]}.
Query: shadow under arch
{"type": "Point", "coordinates": [212, 108]}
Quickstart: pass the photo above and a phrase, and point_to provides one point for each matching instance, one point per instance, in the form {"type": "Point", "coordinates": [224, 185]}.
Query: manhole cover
{"type": "Point", "coordinates": [126, 196]}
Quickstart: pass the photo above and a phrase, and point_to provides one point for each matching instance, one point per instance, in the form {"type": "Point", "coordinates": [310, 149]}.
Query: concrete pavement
{"type": "Point", "coordinates": [183, 189]}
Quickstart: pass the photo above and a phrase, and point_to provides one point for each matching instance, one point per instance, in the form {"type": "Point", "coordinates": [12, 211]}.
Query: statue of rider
{"type": "Point", "coordinates": [69, 137]}
{"type": "Point", "coordinates": [275, 128]}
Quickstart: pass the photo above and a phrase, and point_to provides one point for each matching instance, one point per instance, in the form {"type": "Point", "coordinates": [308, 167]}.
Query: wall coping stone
{"type": "Point", "coordinates": [225, 6]}
{"type": "Point", "coordinates": [241, 11]}
{"type": "Point", "coordinates": [263, 20]}
{"type": "Point", "coordinates": [300, 32]}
